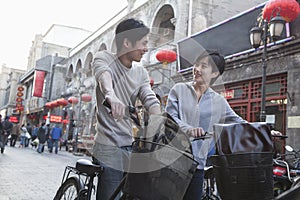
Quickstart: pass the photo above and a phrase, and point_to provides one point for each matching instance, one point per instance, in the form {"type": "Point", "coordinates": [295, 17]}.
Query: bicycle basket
{"type": "Point", "coordinates": [164, 130]}
{"type": "Point", "coordinates": [166, 175]}
{"type": "Point", "coordinates": [247, 176]}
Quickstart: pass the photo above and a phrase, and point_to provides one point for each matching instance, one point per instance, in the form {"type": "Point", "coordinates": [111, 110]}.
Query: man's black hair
{"type": "Point", "coordinates": [132, 29]}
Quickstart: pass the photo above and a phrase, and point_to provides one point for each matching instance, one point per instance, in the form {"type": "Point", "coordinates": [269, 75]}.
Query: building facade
{"type": "Point", "coordinates": [172, 22]}
{"type": "Point", "coordinates": [8, 89]}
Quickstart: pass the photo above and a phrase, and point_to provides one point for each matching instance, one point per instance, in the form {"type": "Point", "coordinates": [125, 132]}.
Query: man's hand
{"type": "Point", "coordinates": [117, 107]}
{"type": "Point", "coordinates": [196, 132]}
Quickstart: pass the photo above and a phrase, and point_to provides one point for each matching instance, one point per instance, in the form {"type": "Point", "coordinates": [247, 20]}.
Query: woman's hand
{"type": "Point", "coordinates": [276, 133]}
{"type": "Point", "coordinates": [196, 132]}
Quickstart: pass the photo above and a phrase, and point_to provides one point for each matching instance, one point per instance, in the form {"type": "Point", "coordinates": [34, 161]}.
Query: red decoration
{"type": "Point", "coordinates": [288, 9]}
{"type": "Point", "coordinates": [20, 108]}
{"type": "Point", "coordinates": [19, 94]}
{"type": "Point", "coordinates": [19, 99]}
{"type": "Point", "coordinates": [166, 56]}
{"type": "Point", "coordinates": [73, 100]}
{"type": "Point", "coordinates": [151, 80]}
{"type": "Point", "coordinates": [54, 103]}
{"type": "Point", "coordinates": [86, 97]}
{"type": "Point", "coordinates": [20, 88]}
{"type": "Point", "coordinates": [38, 83]}
{"type": "Point", "coordinates": [48, 105]}
{"type": "Point", "coordinates": [62, 102]}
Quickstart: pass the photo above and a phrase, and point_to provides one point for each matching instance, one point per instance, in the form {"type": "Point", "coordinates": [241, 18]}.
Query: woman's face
{"type": "Point", "coordinates": [203, 72]}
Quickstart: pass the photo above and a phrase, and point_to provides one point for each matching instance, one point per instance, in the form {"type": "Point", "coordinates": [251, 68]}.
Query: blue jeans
{"type": "Point", "coordinates": [40, 148]}
{"type": "Point", "coordinates": [114, 160]}
{"type": "Point", "coordinates": [194, 191]}
{"type": "Point", "coordinates": [23, 140]}
{"type": "Point", "coordinates": [54, 142]}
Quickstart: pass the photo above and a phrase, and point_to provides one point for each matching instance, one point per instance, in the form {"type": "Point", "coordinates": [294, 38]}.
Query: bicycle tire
{"type": "Point", "coordinates": [69, 190]}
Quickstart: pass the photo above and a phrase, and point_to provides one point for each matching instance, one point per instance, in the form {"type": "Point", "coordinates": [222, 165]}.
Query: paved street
{"type": "Point", "coordinates": [28, 175]}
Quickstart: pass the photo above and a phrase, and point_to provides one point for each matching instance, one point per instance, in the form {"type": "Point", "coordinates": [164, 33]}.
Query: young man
{"type": "Point", "coordinates": [196, 108]}
{"type": "Point", "coordinates": [120, 83]}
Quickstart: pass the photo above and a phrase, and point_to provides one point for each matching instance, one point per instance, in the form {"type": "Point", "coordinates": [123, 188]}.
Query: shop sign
{"type": "Point", "coordinates": [228, 94]}
{"type": "Point", "coordinates": [38, 83]}
{"type": "Point", "coordinates": [54, 118]}
{"type": "Point", "coordinates": [13, 119]}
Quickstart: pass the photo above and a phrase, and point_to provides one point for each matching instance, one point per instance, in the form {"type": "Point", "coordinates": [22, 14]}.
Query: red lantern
{"type": "Point", "coordinates": [20, 108]}
{"type": "Point", "coordinates": [62, 102]}
{"type": "Point", "coordinates": [86, 97]}
{"type": "Point", "coordinates": [54, 103]}
{"type": "Point", "coordinates": [288, 9]}
{"type": "Point", "coordinates": [166, 56]}
{"type": "Point", "coordinates": [20, 88]}
{"type": "Point", "coordinates": [73, 100]}
{"type": "Point", "coordinates": [48, 105]}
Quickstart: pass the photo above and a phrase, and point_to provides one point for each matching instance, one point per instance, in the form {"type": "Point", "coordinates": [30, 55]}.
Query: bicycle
{"type": "Point", "coordinates": [285, 172]}
{"type": "Point", "coordinates": [132, 186]}
{"type": "Point", "coordinates": [78, 181]}
{"type": "Point", "coordinates": [74, 187]}
{"type": "Point", "coordinates": [209, 185]}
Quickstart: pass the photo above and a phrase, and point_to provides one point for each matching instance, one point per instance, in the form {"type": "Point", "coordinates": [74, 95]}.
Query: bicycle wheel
{"type": "Point", "coordinates": [69, 190]}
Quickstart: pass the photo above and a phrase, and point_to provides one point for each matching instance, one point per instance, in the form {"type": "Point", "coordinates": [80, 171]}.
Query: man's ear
{"type": "Point", "coordinates": [126, 43]}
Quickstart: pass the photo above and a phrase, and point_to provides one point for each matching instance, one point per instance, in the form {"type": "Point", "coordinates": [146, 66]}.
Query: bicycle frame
{"type": "Point", "coordinates": [86, 181]}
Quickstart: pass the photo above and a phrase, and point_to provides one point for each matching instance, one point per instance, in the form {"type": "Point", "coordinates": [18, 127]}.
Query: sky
{"type": "Point", "coordinates": [21, 20]}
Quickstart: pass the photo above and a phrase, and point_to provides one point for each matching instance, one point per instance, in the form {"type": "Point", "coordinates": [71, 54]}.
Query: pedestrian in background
{"type": "Point", "coordinates": [41, 134]}
{"type": "Point", "coordinates": [6, 126]}
{"type": "Point", "coordinates": [15, 132]}
{"type": "Point", "coordinates": [34, 139]}
{"type": "Point", "coordinates": [23, 136]}
{"type": "Point", "coordinates": [48, 138]}
{"type": "Point", "coordinates": [29, 130]}
{"type": "Point", "coordinates": [1, 130]}
{"type": "Point", "coordinates": [56, 134]}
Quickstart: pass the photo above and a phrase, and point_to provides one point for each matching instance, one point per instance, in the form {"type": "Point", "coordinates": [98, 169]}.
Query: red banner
{"type": "Point", "coordinates": [38, 83]}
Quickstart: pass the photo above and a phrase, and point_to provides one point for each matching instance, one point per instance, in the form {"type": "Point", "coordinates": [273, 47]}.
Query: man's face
{"type": "Point", "coordinates": [136, 52]}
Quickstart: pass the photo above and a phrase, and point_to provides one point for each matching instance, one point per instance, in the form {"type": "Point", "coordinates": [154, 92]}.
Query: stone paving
{"type": "Point", "coordinates": [28, 175]}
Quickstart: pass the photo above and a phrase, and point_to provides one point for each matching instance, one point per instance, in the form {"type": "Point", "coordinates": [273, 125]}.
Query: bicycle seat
{"type": "Point", "coordinates": [87, 167]}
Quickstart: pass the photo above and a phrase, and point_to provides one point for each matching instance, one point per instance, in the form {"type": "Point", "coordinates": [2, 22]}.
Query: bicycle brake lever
{"type": "Point", "coordinates": [203, 137]}
{"type": "Point", "coordinates": [131, 110]}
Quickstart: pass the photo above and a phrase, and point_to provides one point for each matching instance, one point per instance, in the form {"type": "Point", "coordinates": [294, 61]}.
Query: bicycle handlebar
{"type": "Point", "coordinates": [280, 136]}
{"type": "Point", "coordinates": [131, 111]}
{"type": "Point", "coordinates": [207, 135]}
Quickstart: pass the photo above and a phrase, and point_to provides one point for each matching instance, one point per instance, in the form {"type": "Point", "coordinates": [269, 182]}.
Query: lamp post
{"type": "Point", "coordinates": [81, 90]}
{"type": "Point", "coordinates": [270, 30]}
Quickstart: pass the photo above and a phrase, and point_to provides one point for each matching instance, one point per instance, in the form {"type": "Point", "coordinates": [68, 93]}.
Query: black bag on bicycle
{"type": "Point", "coordinates": [243, 164]}
{"type": "Point", "coordinates": [161, 165]}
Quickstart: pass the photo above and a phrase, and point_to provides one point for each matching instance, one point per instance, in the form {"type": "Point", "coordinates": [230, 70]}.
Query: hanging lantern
{"type": "Point", "coordinates": [86, 97]}
{"type": "Point", "coordinates": [62, 102]}
{"type": "Point", "coordinates": [166, 56]}
{"type": "Point", "coordinates": [54, 104]}
{"type": "Point", "coordinates": [151, 80]}
{"type": "Point", "coordinates": [48, 105]}
{"type": "Point", "coordinates": [288, 9]}
{"type": "Point", "coordinates": [20, 108]}
{"type": "Point", "coordinates": [73, 100]}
